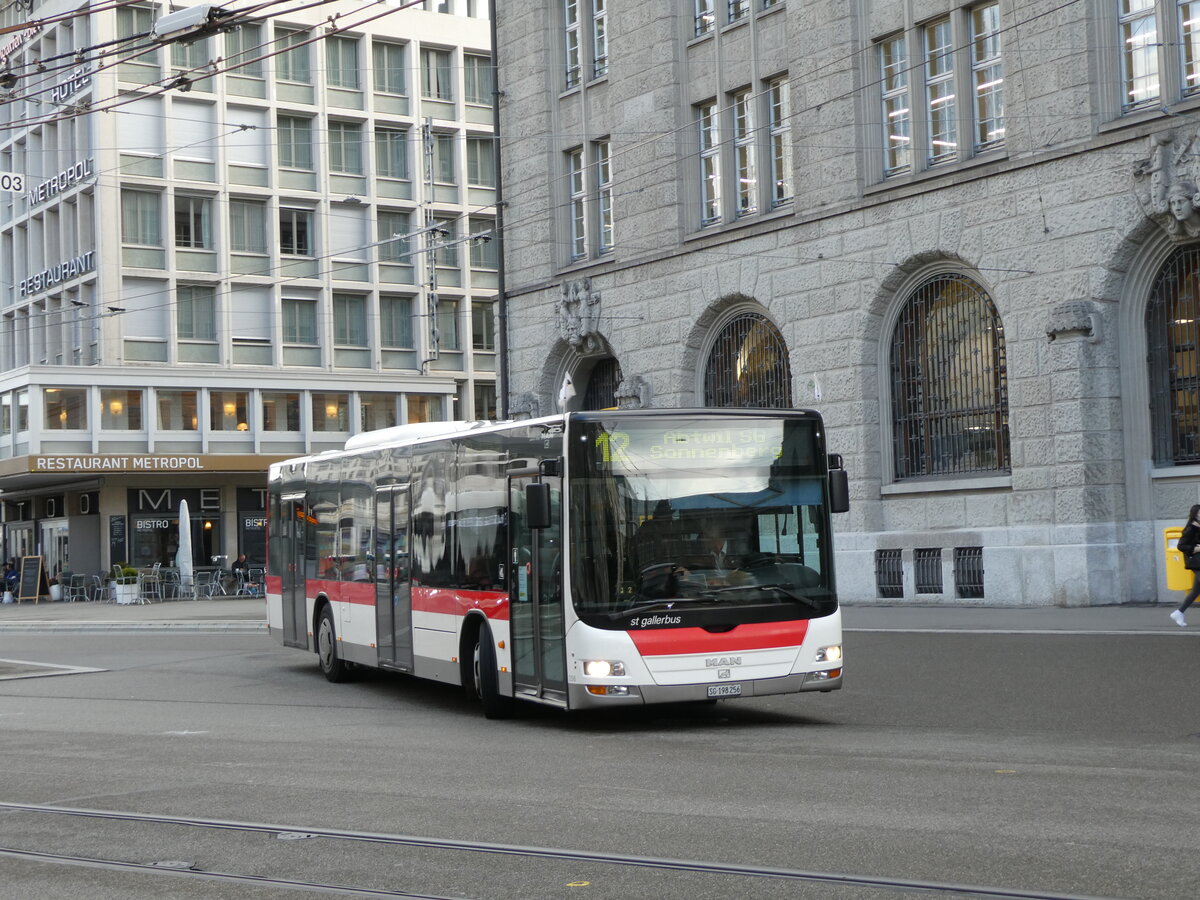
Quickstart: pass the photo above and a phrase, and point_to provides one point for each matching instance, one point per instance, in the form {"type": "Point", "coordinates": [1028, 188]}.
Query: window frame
{"type": "Point", "coordinates": [343, 69]}
{"type": "Point", "coordinates": [708, 131]}
{"type": "Point", "coordinates": [779, 139]}
{"type": "Point", "coordinates": [196, 235]}
{"type": "Point", "coordinates": [294, 63]}
{"type": "Point", "coordinates": [295, 134]}
{"type": "Point", "coordinates": [298, 321]}
{"type": "Point", "coordinates": [196, 313]}
{"type": "Point", "coordinates": [345, 147]}
{"type": "Point", "coordinates": [302, 237]}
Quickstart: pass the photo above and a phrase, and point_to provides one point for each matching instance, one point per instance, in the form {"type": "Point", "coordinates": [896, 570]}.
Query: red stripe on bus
{"type": "Point", "coordinates": [755, 636]}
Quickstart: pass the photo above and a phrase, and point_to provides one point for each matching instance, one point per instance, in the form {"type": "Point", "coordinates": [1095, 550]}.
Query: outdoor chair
{"type": "Point", "coordinates": [76, 588]}
{"type": "Point", "coordinates": [206, 583]}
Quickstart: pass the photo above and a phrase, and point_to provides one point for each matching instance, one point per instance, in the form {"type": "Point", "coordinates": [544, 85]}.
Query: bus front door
{"type": "Point", "coordinates": [393, 593]}
{"type": "Point", "coordinates": [535, 600]}
{"type": "Point", "coordinates": [292, 520]}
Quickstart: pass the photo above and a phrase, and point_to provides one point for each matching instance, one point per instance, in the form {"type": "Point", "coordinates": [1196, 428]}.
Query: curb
{"type": "Point", "coordinates": [161, 627]}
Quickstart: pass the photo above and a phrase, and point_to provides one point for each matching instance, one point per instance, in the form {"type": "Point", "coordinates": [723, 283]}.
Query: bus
{"type": "Point", "coordinates": [586, 560]}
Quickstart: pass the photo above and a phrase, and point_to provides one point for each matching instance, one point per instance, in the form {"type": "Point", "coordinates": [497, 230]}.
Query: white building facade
{"type": "Point", "coordinates": [967, 233]}
{"type": "Point", "coordinates": [227, 247]}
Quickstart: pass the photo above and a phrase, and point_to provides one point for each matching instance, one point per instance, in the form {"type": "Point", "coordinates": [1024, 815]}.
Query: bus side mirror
{"type": "Point", "coordinates": [839, 485]}
{"type": "Point", "coordinates": [537, 505]}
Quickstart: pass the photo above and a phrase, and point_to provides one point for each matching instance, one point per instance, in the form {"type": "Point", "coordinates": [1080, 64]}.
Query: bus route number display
{"type": "Point", "coordinates": [700, 445]}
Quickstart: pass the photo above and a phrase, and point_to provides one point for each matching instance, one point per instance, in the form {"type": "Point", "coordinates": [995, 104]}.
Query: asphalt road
{"type": "Point", "coordinates": [1035, 765]}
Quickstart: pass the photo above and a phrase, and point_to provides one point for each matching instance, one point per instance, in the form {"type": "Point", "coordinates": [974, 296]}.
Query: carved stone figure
{"type": "Point", "coordinates": [1165, 184]}
{"type": "Point", "coordinates": [633, 393]}
{"type": "Point", "coordinates": [579, 315]}
{"type": "Point", "coordinates": [524, 406]}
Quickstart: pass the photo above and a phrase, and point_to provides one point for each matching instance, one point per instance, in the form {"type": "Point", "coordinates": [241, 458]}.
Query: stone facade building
{"type": "Point", "coordinates": [967, 233]}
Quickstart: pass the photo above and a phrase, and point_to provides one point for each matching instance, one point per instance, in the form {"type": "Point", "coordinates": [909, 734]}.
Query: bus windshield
{"type": "Point", "coordinates": [723, 516]}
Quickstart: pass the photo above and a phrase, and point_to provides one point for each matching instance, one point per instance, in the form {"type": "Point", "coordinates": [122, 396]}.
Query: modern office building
{"type": "Point", "coordinates": [227, 238]}
{"type": "Point", "coordinates": [967, 232]}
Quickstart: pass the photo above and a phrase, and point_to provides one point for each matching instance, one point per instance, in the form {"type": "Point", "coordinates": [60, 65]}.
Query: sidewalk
{"type": "Point", "coordinates": [249, 614]}
{"type": "Point", "coordinates": [241, 614]}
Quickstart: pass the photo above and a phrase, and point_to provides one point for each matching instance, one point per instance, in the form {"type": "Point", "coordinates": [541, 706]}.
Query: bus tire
{"type": "Point", "coordinates": [483, 671]}
{"type": "Point", "coordinates": [333, 667]}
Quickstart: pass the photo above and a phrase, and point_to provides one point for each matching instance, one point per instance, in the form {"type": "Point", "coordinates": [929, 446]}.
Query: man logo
{"type": "Point", "coordinates": [713, 661]}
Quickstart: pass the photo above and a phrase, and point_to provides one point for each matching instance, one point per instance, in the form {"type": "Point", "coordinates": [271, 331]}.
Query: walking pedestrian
{"type": "Point", "coordinates": [1187, 546]}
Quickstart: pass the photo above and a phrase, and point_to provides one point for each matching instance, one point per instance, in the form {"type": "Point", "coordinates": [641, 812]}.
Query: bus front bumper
{"type": "Point", "coordinates": [579, 696]}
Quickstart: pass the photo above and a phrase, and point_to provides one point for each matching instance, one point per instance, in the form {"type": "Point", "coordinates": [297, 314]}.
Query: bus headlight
{"type": "Point", "coordinates": [829, 654]}
{"type": "Point", "coordinates": [602, 668]}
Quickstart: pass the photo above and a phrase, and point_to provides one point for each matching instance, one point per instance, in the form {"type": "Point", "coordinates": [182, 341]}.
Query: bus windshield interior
{"type": "Point", "coordinates": [717, 515]}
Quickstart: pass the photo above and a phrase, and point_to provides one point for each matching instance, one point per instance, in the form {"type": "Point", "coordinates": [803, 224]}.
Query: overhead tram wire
{"type": "Point", "coordinates": [77, 58]}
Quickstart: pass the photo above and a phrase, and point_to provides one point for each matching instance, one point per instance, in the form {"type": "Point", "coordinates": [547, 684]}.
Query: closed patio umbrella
{"type": "Point", "coordinates": [183, 556]}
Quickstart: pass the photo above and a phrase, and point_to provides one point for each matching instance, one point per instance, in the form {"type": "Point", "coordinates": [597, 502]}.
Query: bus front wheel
{"type": "Point", "coordinates": [487, 689]}
{"type": "Point", "coordinates": [333, 667]}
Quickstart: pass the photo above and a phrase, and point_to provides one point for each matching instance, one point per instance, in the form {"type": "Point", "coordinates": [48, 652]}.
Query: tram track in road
{"type": "Point", "coordinates": [176, 869]}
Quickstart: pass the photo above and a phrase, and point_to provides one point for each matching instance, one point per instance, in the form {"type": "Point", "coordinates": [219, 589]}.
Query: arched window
{"type": "Point", "coordinates": [1173, 340]}
{"type": "Point", "coordinates": [748, 366]}
{"type": "Point", "coordinates": [949, 382]}
{"type": "Point", "coordinates": [602, 385]}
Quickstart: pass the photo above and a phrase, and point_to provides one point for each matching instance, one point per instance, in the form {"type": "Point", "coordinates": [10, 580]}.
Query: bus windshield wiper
{"type": "Point", "coordinates": [785, 589]}
{"type": "Point", "coordinates": [651, 606]}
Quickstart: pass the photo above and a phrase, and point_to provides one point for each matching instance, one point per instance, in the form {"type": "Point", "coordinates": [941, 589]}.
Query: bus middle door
{"type": "Point", "coordinates": [393, 590]}
{"type": "Point", "coordinates": [293, 520]}
{"type": "Point", "coordinates": [535, 602]}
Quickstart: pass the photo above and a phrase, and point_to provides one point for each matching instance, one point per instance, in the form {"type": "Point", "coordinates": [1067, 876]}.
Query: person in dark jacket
{"type": "Point", "coordinates": [1187, 546]}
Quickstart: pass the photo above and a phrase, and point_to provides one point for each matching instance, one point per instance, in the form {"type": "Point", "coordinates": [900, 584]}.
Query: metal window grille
{"type": "Point", "coordinates": [748, 366]}
{"type": "Point", "coordinates": [968, 572]}
{"type": "Point", "coordinates": [889, 574]}
{"type": "Point", "coordinates": [1173, 338]}
{"type": "Point", "coordinates": [601, 392]}
{"type": "Point", "coordinates": [927, 562]}
{"type": "Point", "coordinates": [949, 382]}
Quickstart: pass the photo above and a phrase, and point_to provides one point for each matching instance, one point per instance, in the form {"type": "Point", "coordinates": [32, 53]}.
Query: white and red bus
{"type": "Point", "coordinates": [585, 560]}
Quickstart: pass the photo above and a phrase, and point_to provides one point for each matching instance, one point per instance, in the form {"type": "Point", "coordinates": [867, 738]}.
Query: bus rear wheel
{"type": "Point", "coordinates": [483, 670]}
{"type": "Point", "coordinates": [333, 667]}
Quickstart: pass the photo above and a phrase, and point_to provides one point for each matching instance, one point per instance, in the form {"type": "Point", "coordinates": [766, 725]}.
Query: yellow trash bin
{"type": "Point", "coordinates": [1178, 577]}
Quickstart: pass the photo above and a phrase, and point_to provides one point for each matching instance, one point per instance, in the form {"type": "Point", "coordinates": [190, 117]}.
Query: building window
{"type": "Point", "coordinates": [604, 196]}
{"type": "Point", "coordinates": [193, 222]}
{"type": "Point", "coordinates": [477, 79]}
{"type": "Point", "coordinates": [897, 111]}
{"type": "Point", "coordinates": [134, 24]}
{"type": "Point", "coordinates": [388, 65]}
{"type": "Point", "coordinates": [710, 163]}
{"type": "Point", "coordinates": [446, 239]}
{"type": "Point", "coordinates": [738, 10]}
{"type": "Point", "coordinates": [394, 228]}
{"type": "Point", "coordinates": [748, 366]}
{"type": "Point", "coordinates": [599, 38]}
{"type": "Point", "coordinates": [1173, 341]}
{"type": "Point", "coordinates": [987, 75]}
{"type": "Point", "coordinates": [299, 321]}
{"type": "Point", "coordinates": [744, 137]}
{"type": "Point", "coordinates": [443, 159]}
{"type": "Point", "coordinates": [349, 320]}
{"type": "Point", "coordinates": [295, 143]}
{"type": "Point", "coordinates": [940, 96]}
{"type": "Point", "coordinates": [196, 312]}
{"type": "Point", "coordinates": [391, 153]}
{"type": "Point", "coordinates": [248, 226]}
{"type": "Point", "coordinates": [436, 83]}
{"type": "Point", "coordinates": [120, 410]}
{"type": "Point", "coordinates": [295, 232]}
{"type": "Point", "coordinates": [486, 408]}
{"type": "Point", "coordinates": [227, 410]}
{"type": "Point", "coordinates": [378, 411]}
{"type": "Point", "coordinates": [706, 17]}
{"type": "Point", "coordinates": [949, 382]}
{"type": "Point", "coordinates": [292, 63]}
{"type": "Point", "coordinates": [330, 411]}
{"type": "Point", "coordinates": [187, 58]}
{"type": "Point", "coordinates": [141, 218]}
{"type": "Point", "coordinates": [177, 410]}
{"type": "Point", "coordinates": [1160, 50]}
{"type": "Point", "coordinates": [425, 407]}
{"type": "Point", "coordinates": [65, 408]}
{"type": "Point", "coordinates": [395, 323]}
{"type": "Point", "coordinates": [484, 246]}
{"type": "Point", "coordinates": [571, 42]}
{"type": "Point", "coordinates": [483, 325]}
{"type": "Point", "coordinates": [957, 56]}
{"type": "Point", "coordinates": [345, 148]}
{"type": "Point", "coordinates": [779, 114]}
{"type": "Point", "coordinates": [602, 384]}
{"type": "Point", "coordinates": [481, 162]}
{"type": "Point", "coordinates": [244, 49]}
{"type": "Point", "coordinates": [281, 411]}
{"type": "Point", "coordinates": [577, 188]}
{"type": "Point", "coordinates": [447, 325]}
{"type": "Point", "coordinates": [341, 62]}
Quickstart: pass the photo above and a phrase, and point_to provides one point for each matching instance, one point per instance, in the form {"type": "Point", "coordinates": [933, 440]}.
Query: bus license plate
{"type": "Point", "coordinates": [724, 690]}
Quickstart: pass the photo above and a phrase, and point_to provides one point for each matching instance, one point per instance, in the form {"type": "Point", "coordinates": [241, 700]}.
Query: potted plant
{"type": "Point", "coordinates": [125, 586]}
